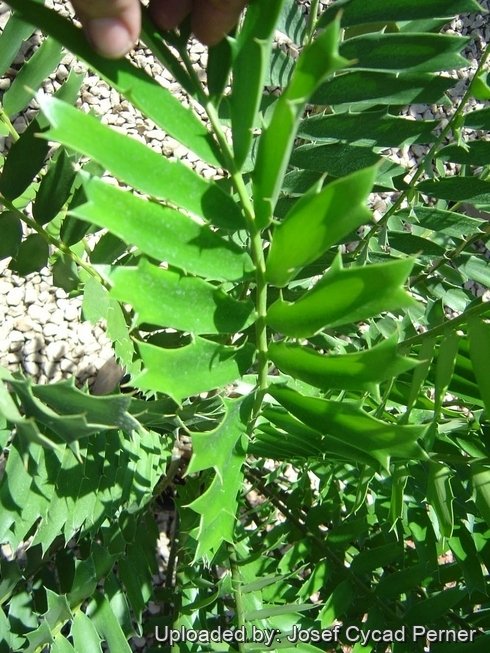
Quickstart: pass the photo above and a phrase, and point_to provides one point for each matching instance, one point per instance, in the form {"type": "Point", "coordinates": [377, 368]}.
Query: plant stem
{"type": "Point", "coordinates": [364, 243]}
{"type": "Point", "coordinates": [261, 323]}
{"type": "Point", "coordinates": [312, 18]}
{"type": "Point", "coordinates": [451, 255]}
{"type": "Point", "coordinates": [257, 245]}
{"type": "Point", "coordinates": [51, 240]}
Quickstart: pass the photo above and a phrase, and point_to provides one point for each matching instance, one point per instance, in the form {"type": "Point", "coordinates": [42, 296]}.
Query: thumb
{"type": "Point", "coordinates": [112, 26]}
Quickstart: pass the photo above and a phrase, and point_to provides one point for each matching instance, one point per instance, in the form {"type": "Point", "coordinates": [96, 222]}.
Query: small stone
{"type": "Point", "coordinates": [37, 313]}
{"type": "Point", "coordinates": [16, 336]}
{"type": "Point", "coordinates": [35, 357]}
{"type": "Point", "coordinates": [33, 345]}
{"type": "Point", "coordinates": [17, 311]}
{"type": "Point", "coordinates": [62, 73]}
{"type": "Point", "coordinates": [67, 365]}
{"type": "Point", "coordinates": [30, 295]}
{"type": "Point", "coordinates": [55, 350]}
{"type": "Point", "coordinates": [57, 317]}
{"type": "Point", "coordinates": [71, 312]}
{"type": "Point", "coordinates": [153, 608]}
{"type": "Point", "coordinates": [23, 324]}
{"type": "Point", "coordinates": [15, 297]}
{"type": "Point", "coordinates": [84, 333]}
{"type": "Point", "coordinates": [31, 368]}
{"type": "Point", "coordinates": [51, 329]}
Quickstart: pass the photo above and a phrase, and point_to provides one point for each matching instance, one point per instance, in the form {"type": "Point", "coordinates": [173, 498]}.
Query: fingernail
{"type": "Point", "coordinates": [110, 37]}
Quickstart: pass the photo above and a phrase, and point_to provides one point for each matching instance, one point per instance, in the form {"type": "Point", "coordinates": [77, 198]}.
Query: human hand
{"type": "Point", "coordinates": [113, 26]}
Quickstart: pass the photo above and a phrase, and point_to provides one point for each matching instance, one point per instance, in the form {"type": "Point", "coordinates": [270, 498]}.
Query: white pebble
{"type": "Point", "coordinates": [30, 294]}
{"type": "Point", "coordinates": [23, 324]}
{"type": "Point", "coordinates": [31, 368]}
{"type": "Point", "coordinates": [55, 350]}
{"type": "Point", "coordinates": [16, 336]}
{"type": "Point", "coordinates": [37, 313]}
{"type": "Point", "coordinates": [71, 312]}
{"type": "Point", "coordinates": [15, 297]}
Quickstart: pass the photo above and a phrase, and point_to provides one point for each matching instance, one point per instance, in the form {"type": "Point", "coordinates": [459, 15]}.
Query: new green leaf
{"type": "Point", "coordinates": [348, 423]}
{"type": "Point", "coordinates": [316, 222]}
{"type": "Point", "coordinates": [170, 299]}
{"type": "Point", "coordinates": [343, 296]}
{"type": "Point", "coordinates": [200, 366]}
{"type": "Point", "coordinates": [162, 232]}
{"type": "Point", "coordinates": [349, 371]}
{"type": "Point", "coordinates": [138, 165]}
{"type": "Point", "coordinates": [317, 61]}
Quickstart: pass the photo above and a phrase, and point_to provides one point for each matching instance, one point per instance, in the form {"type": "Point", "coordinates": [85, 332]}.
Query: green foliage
{"type": "Point", "coordinates": [330, 370]}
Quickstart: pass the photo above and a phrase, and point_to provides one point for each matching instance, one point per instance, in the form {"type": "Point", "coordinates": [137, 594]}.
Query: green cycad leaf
{"type": "Point", "coordinates": [85, 637]}
{"type": "Point", "coordinates": [479, 119]}
{"type": "Point", "coordinates": [479, 334]}
{"type": "Point", "coordinates": [343, 296]}
{"type": "Point", "coordinates": [15, 31]}
{"type": "Point", "coordinates": [106, 412]}
{"type": "Point", "coordinates": [357, 12]}
{"type": "Point", "coordinates": [351, 371]}
{"type": "Point", "coordinates": [463, 546]}
{"type": "Point", "coordinates": [170, 299]}
{"type": "Point", "coordinates": [32, 75]}
{"type": "Point", "coordinates": [475, 153]}
{"type": "Point", "coordinates": [254, 46]}
{"type": "Point", "coordinates": [374, 128]}
{"type": "Point", "coordinates": [316, 222]}
{"type": "Point", "coordinates": [350, 424]}
{"type": "Point", "coordinates": [139, 88]}
{"type": "Point", "coordinates": [374, 88]}
{"type": "Point", "coordinates": [480, 479]}
{"type": "Point", "coordinates": [297, 441]}
{"type": "Point", "coordinates": [70, 413]}
{"type": "Point", "coordinates": [11, 230]}
{"type": "Point", "coordinates": [316, 62]}
{"type": "Point", "coordinates": [200, 366]}
{"type": "Point", "coordinates": [32, 255]}
{"type": "Point", "coordinates": [97, 305]}
{"type": "Point", "coordinates": [162, 233]}
{"type": "Point", "coordinates": [458, 189]}
{"type": "Point", "coordinates": [424, 53]}
{"type": "Point", "coordinates": [292, 21]}
{"type": "Point", "coordinates": [108, 626]}
{"type": "Point", "coordinates": [61, 645]}
{"type": "Point", "coordinates": [26, 156]}
{"type": "Point", "coordinates": [336, 159]}
{"type": "Point", "coordinates": [55, 188]}
{"type": "Point", "coordinates": [138, 165]}
{"type": "Point", "coordinates": [440, 496]}
{"type": "Point", "coordinates": [441, 221]}
{"type": "Point", "coordinates": [222, 450]}
{"type": "Point", "coordinates": [436, 606]}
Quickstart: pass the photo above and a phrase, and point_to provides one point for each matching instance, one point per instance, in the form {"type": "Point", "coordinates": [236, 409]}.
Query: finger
{"type": "Point", "coordinates": [112, 26]}
{"type": "Point", "coordinates": [168, 14]}
{"type": "Point", "coordinates": [213, 19]}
